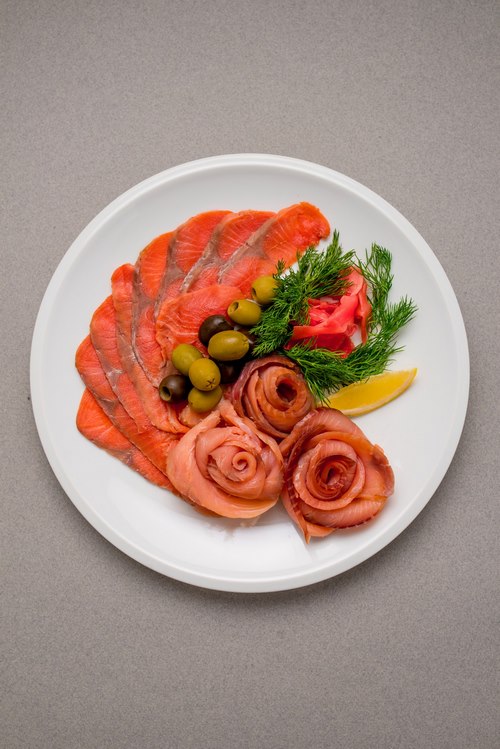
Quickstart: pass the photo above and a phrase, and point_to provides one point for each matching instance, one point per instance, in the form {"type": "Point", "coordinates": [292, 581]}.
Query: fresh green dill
{"type": "Point", "coordinates": [326, 371]}
{"type": "Point", "coordinates": [377, 271]}
{"type": "Point", "coordinates": [325, 274]}
{"type": "Point", "coordinates": [317, 274]}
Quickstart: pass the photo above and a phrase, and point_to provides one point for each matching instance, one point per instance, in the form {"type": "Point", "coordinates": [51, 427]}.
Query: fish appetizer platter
{"type": "Point", "coordinates": [236, 413]}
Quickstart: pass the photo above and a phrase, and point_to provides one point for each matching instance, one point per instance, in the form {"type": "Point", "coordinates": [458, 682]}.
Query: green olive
{"type": "Point", "coordinates": [173, 388]}
{"type": "Point", "coordinates": [201, 401]}
{"type": "Point", "coordinates": [244, 312]}
{"type": "Point", "coordinates": [228, 345]}
{"type": "Point", "coordinates": [212, 325]}
{"type": "Point", "coordinates": [183, 356]}
{"type": "Point", "coordinates": [264, 289]}
{"type": "Point", "coordinates": [204, 374]}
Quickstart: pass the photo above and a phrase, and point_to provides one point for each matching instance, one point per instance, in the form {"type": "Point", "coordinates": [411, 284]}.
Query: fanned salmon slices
{"type": "Point", "coordinates": [233, 232]}
{"type": "Point", "coordinates": [162, 415]}
{"type": "Point", "coordinates": [283, 237]}
{"type": "Point", "coordinates": [93, 423]}
{"type": "Point", "coordinates": [154, 443]}
{"type": "Point", "coordinates": [148, 274]}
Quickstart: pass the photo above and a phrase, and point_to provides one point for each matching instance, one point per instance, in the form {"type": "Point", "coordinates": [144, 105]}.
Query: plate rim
{"type": "Point", "coordinates": [251, 583]}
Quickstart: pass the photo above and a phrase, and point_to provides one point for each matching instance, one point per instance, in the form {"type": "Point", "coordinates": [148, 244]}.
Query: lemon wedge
{"type": "Point", "coordinates": [376, 391]}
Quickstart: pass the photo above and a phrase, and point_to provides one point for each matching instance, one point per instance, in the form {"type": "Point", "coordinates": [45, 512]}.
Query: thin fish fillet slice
{"type": "Point", "coordinates": [231, 233]}
{"type": "Point", "coordinates": [149, 271]}
{"type": "Point", "coordinates": [162, 415]}
{"type": "Point", "coordinates": [103, 334]}
{"type": "Point", "coordinates": [185, 248]}
{"type": "Point", "coordinates": [180, 318]}
{"type": "Point", "coordinates": [93, 423]}
{"type": "Point", "coordinates": [289, 233]}
{"type": "Point", "coordinates": [153, 443]}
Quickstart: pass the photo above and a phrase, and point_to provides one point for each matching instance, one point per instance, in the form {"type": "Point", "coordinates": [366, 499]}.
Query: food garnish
{"type": "Point", "coordinates": [363, 397]}
{"type": "Point", "coordinates": [210, 326]}
{"type": "Point", "coordinates": [204, 374]}
{"type": "Point", "coordinates": [317, 274]}
{"type": "Point", "coordinates": [244, 312]}
{"type": "Point", "coordinates": [327, 276]}
{"type": "Point", "coordinates": [264, 290]}
{"type": "Point", "coordinates": [183, 356]}
{"type": "Point", "coordinates": [228, 345]}
{"type": "Point", "coordinates": [174, 388]}
{"type": "Point", "coordinates": [202, 401]}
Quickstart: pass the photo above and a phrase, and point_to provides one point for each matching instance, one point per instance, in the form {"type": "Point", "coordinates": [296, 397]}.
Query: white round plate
{"type": "Point", "coordinates": [419, 431]}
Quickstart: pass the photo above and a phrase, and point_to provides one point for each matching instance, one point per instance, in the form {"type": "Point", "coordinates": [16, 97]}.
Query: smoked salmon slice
{"type": "Point", "coordinates": [162, 415]}
{"type": "Point", "coordinates": [93, 423]}
{"type": "Point", "coordinates": [159, 272]}
{"type": "Point", "coordinates": [284, 236]}
{"type": "Point", "coordinates": [103, 334]}
{"type": "Point", "coordinates": [231, 233]}
{"type": "Point", "coordinates": [180, 318]}
{"type": "Point", "coordinates": [148, 274]}
{"type": "Point", "coordinates": [185, 248]}
{"type": "Point", "coordinates": [152, 442]}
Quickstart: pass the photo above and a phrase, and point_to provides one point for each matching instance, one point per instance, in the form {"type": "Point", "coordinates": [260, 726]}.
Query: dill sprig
{"type": "Point", "coordinates": [317, 274]}
{"type": "Point", "coordinates": [377, 271]}
{"type": "Point", "coordinates": [326, 371]}
{"type": "Point", "coordinates": [325, 274]}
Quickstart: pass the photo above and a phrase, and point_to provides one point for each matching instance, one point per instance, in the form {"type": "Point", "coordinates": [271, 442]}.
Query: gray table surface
{"type": "Point", "coordinates": [401, 651]}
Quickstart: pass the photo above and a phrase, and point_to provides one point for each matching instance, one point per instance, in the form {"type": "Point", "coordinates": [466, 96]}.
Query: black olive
{"type": "Point", "coordinates": [229, 371]}
{"type": "Point", "coordinates": [212, 325]}
{"type": "Point", "coordinates": [174, 388]}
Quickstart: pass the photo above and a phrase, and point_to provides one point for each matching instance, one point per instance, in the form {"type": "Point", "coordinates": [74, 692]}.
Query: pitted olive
{"type": "Point", "coordinates": [173, 388]}
{"type": "Point", "coordinates": [244, 312]}
{"type": "Point", "coordinates": [183, 356]}
{"type": "Point", "coordinates": [229, 345]}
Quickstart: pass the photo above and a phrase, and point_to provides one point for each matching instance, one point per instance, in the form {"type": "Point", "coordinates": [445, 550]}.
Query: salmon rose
{"type": "Point", "coordinates": [225, 465]}
{"type": "Point", "coordinates": [334, 476]}
{"type": "Point", "coordinates": [273, 393]}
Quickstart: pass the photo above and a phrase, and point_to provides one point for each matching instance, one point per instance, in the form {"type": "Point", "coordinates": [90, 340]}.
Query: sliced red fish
{"type": "Point", "coordinates": [230, 234]}
{"type": "Point", "coordinates": [154, 443]}
{"type": "Point", "coordinates": [290, 232]}
{"type": "Point", "coordinates": [180, 318]}
{"type": "Point", "coordinates": [103, 334]}
{"type": "Point", "coordinates": [225, 465]}
{"type": "Point", "coordinates": [185, 248]}
{"type": "Point", "coordinates": [162, 415]}
{"type": "Point", "coordinates": [334, 476]}
{"type": "Point", "coordinates": [148, 275]}
{"type": "Point", "coordinates": [273, 393]}
{"type": "Point", "coordinates": [93, 423]}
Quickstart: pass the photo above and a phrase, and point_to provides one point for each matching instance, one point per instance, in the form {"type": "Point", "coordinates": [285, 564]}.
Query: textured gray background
{"type": "Point", "coordinates": [102, 652]}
